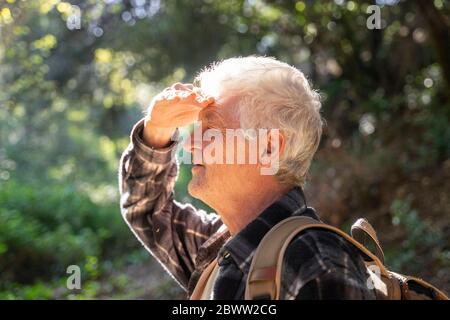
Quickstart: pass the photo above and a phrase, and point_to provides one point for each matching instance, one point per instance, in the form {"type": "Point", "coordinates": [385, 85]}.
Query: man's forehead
{"type": "Point", "coordinates": [218, 113]}
{"type": "Point", "coordinates": [211, 110]}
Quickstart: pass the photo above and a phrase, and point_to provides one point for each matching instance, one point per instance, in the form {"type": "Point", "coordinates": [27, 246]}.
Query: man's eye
{"type": "Point", "coordinates": [214, 128]}
{"type": "Point", "coordinates": [210, 126]}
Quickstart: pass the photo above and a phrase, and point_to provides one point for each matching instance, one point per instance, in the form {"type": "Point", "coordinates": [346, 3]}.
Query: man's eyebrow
{"type": "Point", "coordinates": [211, 116]}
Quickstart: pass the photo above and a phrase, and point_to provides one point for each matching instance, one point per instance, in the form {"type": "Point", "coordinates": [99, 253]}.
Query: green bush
{"type": "Point", "coordinates": [45, 229]}
{"type": "Point", "coordinates": [423, 243]}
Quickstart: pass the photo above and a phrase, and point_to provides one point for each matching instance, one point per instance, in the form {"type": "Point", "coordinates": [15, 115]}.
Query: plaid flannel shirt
{"type": "Point", "coordinates": [317, 264]}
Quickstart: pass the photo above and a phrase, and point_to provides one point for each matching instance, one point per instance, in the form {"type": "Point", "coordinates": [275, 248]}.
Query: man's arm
{"type": "Point", "coordinates": [172, 232]}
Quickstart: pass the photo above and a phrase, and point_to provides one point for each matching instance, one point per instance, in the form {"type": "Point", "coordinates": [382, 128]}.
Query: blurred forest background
{"type": "Point", "coordinates": [75, 77]}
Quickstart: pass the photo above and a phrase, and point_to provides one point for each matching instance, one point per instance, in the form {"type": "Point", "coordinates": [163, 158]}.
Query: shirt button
{"type": "Point", "coordinates": [226, 255]}
{"type": "Point", "coordinates": [157, 230]}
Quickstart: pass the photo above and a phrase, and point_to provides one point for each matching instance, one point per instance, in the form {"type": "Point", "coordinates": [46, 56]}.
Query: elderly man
{"type": "Point", "coordinates": [238, 93]}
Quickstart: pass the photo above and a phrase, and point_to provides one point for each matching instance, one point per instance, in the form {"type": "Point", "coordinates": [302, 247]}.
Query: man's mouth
{"type": "Point", "coordinates": [197, 167]}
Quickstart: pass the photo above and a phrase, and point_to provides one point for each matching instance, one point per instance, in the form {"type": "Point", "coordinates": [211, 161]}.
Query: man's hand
{"type": "Point", "coordinates": [176, 106]}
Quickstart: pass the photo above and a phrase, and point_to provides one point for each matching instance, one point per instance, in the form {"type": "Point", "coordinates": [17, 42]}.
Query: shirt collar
{"type": "Point", "coordinates": [242, 246]}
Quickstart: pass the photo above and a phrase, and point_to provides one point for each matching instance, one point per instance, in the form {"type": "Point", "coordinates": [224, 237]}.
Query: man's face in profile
{"type": "Point", "coordinates": [215, 175]}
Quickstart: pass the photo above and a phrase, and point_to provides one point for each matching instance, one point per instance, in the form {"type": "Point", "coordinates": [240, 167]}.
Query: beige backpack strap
{"type": "Point", "coordinates": [204, 282]}
{"type": "Point", "coordinates": [409, 293]}
{"type": "Point", "coordinates": [361, 231]}
{"type": "Point", "coordinates": [264, 277]}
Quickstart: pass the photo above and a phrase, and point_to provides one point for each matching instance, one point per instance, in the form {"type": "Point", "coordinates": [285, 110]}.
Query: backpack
{"type": "Point", "coordinates": [264, 277]}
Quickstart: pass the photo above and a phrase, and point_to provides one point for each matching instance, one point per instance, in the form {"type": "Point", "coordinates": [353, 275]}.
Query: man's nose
{"type": "Point", "coordinates": [192, 144]}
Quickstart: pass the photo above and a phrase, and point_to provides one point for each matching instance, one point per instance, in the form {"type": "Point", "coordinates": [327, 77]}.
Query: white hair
{"type": "Point", "coordinates": [271, 94]}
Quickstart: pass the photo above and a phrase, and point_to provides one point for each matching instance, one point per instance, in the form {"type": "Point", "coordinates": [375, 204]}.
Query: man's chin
{"type": "Point", "coordinates": [195, 188]}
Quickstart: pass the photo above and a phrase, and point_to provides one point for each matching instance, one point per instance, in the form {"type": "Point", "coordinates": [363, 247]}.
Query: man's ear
{"type": "Point", "coordinates": [275, 143]}
{"type": "Point", "coordinates": [273, 149]}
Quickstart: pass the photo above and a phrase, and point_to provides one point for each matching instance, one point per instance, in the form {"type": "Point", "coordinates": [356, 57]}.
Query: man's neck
{"type": "Point", "coordinates": [243, 209]}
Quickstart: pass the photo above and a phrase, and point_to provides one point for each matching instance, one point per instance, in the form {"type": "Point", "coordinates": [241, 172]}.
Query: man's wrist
{"type": "Point", "coordinates": [157, 137]}
{"type": "Point", "coordinates": [147, 153]}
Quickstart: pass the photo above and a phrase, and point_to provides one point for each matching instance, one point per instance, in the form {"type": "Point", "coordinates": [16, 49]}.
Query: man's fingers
{"type": "Point", "coordinates": [200, 99]}
{"type": "Point", "coordinates": [184, 95]}
{"type": "Point", "coordinates": [199, 91]}
{"type": "Point", "coordinates": [188, 87]}
{"type": "Point", "coordinates": [176, 86]}
{"type": "Point", "coordinates": [182, 86]}
{"type": "Point", "coordinates": [204, 101]}
{"type": "Point", "coordinates": [204, 98]}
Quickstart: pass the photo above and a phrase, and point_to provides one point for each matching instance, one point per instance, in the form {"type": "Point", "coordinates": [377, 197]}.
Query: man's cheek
{"type": "Point", "coordinates": [214, 152]}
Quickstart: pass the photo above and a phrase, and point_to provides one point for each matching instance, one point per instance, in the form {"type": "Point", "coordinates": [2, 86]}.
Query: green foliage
{"type": "Point", "coordinates": [44, 229]}
{"type": "Point", "coordinates": [420, 237]}
{"type": "Point", "coordinates": [69, 98]}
